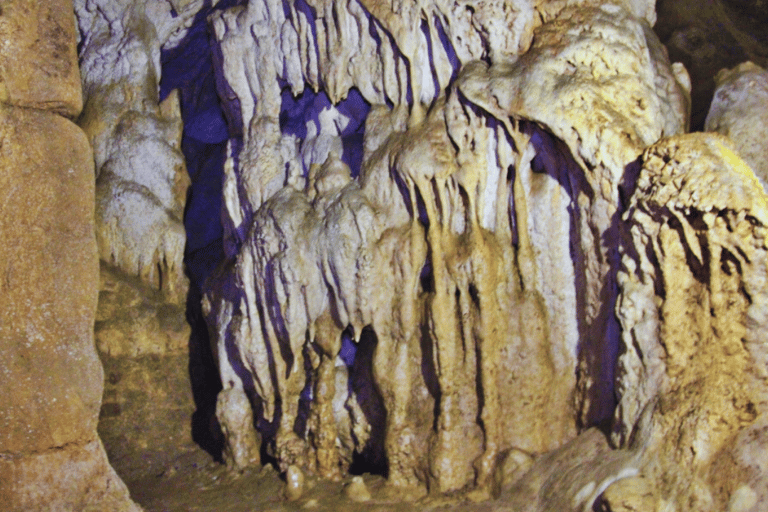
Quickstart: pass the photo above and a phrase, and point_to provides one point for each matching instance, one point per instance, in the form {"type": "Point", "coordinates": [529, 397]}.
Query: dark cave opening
{"type": "Point", "coordinates": [189, 68]}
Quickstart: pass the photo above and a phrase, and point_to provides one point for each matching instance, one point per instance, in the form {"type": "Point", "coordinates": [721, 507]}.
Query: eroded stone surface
{"type": "Point", "coordinates": [38, 56]}
{"type": "Point", "coordinates": [50, 390]}
{"type": "Point", "coordinates": [692, 378]}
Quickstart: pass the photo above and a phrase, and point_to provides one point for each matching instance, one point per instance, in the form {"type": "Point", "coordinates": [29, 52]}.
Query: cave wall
{"type": "Point", "coordinates": [50, 391]}
{"type": "Point", "coordinates": [142, 329]}
{"type": "Point", "coordinates": [459, 237]}
{"type": "Point", "coordinates": [474, 249]}
{"type": "Point", "coordinates": [479, 259]}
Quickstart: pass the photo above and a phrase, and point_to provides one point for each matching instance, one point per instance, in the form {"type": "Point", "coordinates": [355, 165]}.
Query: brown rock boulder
{"type": "Point", "coordinates": [692, 377]}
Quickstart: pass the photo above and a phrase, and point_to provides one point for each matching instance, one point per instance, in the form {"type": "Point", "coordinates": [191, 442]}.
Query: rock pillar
{"type": "Point", "coordinates": [50, 376]}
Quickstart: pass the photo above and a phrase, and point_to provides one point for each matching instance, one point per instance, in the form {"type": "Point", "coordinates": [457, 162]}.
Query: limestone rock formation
{"type": "Point", "coordinates": [692, 377]}
{"type": "Point", "coordinates": [140, 173]}
{"type": "Point", "coordinates": [469, 262]}
{"type": "Point", "coordinates": [738, 111]}
{"type": "Point", "coordinates": [141, 331]}
{"type": "Point", "coordinates": [51, 380]}
{"type": "Point", "coordinates": [468, 246]}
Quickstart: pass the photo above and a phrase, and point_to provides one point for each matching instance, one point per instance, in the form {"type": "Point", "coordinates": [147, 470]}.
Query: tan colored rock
{"type": "Point", "coordinates": [471, 253]}
{"type": "Point", "coordinates": [50, 286]}
{"type": "Point", "coordinates": [77, 477]}
{"type": "Point", "coordinates": [738, 111]}
{"type": "Point", "coordinates": [692, 293]}
{"type": "Point", "coordinates": [636, 494]}
{"type": "Point", "coordinates": [38, 56]}
{"type": "Point", "coordinates": [134, 319]}
{"type": "Point", "coordinates": [143, 343]}
{"type": "Point", "coordinates": [51, 376]}
{"type": "Point", "coordinates": [357, 491]}
{"type": "Point", "coordinates": [572, 477]}
{"type": "Point", "coordinates": [596, 81]}
{"type": "Point", "coordinates": [235, 415]}
{"type": "Point", "coordinates": [294, 483]}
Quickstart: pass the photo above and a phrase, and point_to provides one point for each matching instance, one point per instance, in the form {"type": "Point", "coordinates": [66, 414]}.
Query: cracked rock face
{"type": "Point", "coordinates": [470, 262]}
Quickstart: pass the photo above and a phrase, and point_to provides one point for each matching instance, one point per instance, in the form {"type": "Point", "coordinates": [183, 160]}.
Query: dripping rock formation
{"type": "Point", "coordinates": [463, 253]}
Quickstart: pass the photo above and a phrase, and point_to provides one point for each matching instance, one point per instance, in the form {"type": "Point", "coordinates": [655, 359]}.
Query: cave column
{"type": "Point", "coordinates": [51, 457]}
{"type": "Point", "coordinates": [328, 341]}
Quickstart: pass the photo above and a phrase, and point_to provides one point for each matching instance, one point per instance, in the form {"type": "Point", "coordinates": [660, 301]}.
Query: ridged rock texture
{"type": "Point", "coordinates": [50, 376]}
{"type": "Point", "coordinates": [693, 374]}
{"type": "Point", "coordinates": [141, 180]}
{"type": "Point", "coordinates": [468, 245]}
{"type": "Point", "coordinates": [470, 259]}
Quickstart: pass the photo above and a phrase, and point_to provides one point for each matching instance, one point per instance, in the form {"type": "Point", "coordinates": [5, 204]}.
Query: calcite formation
{"type": "Point", "coordinates": [141, 180]}
{"type": "Point", "coordinates": [692, 376]}
{"type": "Point", "coordinates": [141, 330]}
{"type": "Point", "coordinates": [468, 245]}
{"type": "Point", "coordinates": [470, 262]}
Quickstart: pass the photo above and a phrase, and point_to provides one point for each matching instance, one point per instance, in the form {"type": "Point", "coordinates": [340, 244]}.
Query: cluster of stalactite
{"type": "Point", "coordinates": [467, 262]}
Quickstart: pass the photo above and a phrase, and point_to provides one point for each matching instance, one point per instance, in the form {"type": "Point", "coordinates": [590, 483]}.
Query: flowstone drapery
{"type": "Point", "coordinates": [692, 376]}
{"type": "Point", "coordinates": [470, 261]}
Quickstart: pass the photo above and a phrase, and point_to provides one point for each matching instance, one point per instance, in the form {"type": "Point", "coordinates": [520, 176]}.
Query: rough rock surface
{"type": "Point", "coordinates": [142, 332]}
{"type": "Point", "coordinates": [50, 377]}
{"type": "Point", "coordinates": [469, 260]}
{"type": "Point", "coordinates": [693, 378]}
{"type": "Point", "coordinates": [147, 406]}
{"type": "Point", "coordinates": [445, 224]}
{"type": "Point", "coordinates": [738, 111]}
{"type": "Point", "coordinates": [39, 58]}
{"type": "Point", "coordinates": [141, 180]}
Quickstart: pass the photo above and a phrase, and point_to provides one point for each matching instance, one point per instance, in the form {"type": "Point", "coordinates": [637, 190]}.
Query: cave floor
{"type": "Point", "coordinates": [194, 482]}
